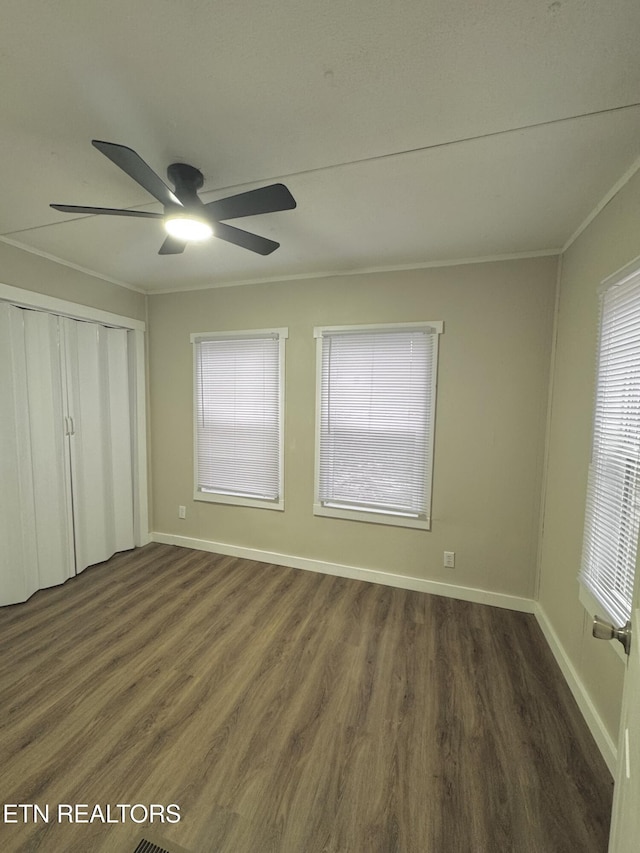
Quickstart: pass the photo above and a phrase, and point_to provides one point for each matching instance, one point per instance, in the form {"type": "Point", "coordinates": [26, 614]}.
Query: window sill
{"type": "Point", "coordinates": [372, 517]}
{"type": "Point", "coordinates": [236, 500]}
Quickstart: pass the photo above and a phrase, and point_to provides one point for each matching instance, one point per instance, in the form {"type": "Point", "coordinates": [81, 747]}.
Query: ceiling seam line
{"type": "Point", "coordinates": [372, 159]}
{"type": "Point", "coordinates": [430, 147]}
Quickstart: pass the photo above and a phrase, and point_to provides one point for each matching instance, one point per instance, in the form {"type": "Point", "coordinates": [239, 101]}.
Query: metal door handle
{"type": "Point", "coordinates": [606, 631]}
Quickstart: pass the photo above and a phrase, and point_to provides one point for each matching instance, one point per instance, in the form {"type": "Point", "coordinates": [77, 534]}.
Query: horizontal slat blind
{"type": "Point", "coordinates": [238, 416]}
{"type": "Point", "coordinates": [377, 401]}
{"type": "Point", "coordinates": [612, 518]}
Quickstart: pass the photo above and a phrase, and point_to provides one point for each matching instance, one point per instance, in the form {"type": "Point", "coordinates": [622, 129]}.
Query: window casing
{"type": "Point", "coordinates": [612, 516]}
{"type": "Point", "coordinates": [375, 420]}
{"type": "Point", "coordinates": [238, 417]}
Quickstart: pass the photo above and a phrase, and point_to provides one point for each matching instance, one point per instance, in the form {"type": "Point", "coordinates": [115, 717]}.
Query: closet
{"type": "Point", "coordinates": [66, 439]}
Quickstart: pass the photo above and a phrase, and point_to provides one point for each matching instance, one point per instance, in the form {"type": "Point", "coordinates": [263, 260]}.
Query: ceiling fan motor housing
{"type": "Point", "coordinates": [187, 180]}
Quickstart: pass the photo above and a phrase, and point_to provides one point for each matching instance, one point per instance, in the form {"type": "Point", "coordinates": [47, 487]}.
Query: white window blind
{"type": "Point", "coordinates": [239, 382]}
{"type": "Point", "coordinates": [376, 414]}
{"type": "Point", "coordinates": [612, 515]}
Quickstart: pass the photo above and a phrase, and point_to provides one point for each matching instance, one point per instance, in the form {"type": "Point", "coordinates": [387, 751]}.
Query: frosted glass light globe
{"type": "Point", "coordinates": [188, 228]}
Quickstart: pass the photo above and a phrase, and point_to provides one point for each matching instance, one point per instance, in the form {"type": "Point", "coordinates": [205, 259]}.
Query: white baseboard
{"type": "Point", "coordinates": [593, 720]}
{"type": "Point", "coordinates": [479, 596]}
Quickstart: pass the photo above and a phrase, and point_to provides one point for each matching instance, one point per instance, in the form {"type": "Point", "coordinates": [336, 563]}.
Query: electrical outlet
{"type": "Point", "coordinates": [182, 512]}
{"type": "Point", "coordinates": [449, 559]}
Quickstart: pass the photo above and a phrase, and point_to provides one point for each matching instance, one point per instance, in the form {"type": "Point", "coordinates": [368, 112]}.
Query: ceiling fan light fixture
{"type": "Point", "coordinates": [188, 228]}
{"type": "Point", "coordinates": [185, 217]}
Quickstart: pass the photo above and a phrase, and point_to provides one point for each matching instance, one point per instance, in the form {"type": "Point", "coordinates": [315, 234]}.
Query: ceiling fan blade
{"type": "Point", "coordinates": [109, 211]}
{"type": "Point", "coordinates": [245, 239]}
{"type": "Point", "coordinates": [172, 246]}
{"type": "Point", "coordinates": [264, 200]}
{"type": "Point", "coordinates": [134, 166]}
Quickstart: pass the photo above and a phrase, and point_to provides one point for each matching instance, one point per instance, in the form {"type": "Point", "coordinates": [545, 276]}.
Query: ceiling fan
{"type": "Point", "coordinates": [186, 218]}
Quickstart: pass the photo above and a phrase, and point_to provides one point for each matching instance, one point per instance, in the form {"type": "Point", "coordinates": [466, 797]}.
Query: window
{"type": "Point", "coordinates": [612, 518]}
{"type": "Point", "coordinates": [238, 435]}
{"type": "Point", "coordinates": [375, 416]}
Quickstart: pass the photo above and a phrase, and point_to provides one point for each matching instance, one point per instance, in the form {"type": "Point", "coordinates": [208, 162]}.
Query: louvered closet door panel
{"type": "Point", "coordinates": [120, 436]}
{"type": "Point", "coordinates": [98, 391]}
{"type": "Point", "coordinates": [18, 552]}
{"type": "Point", "coordinates": [49, 449]}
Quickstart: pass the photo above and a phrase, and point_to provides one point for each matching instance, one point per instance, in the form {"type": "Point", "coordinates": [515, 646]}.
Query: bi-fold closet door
{"type": "Point", "coordinates": [98, 418]}
{"type": "Point", "coordinates": [66, 500]}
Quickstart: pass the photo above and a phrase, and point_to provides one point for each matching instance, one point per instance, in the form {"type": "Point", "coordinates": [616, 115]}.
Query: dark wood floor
{"type": "Point", "coordinates": [288, 711]}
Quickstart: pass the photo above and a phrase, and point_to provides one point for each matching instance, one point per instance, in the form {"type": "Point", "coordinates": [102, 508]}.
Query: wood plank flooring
{"type": "Point", "coordinates": [290, 712]}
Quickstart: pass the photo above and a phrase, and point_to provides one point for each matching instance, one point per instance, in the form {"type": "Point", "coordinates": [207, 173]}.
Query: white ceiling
{"type": "Point", "coordinates": [410, 132]}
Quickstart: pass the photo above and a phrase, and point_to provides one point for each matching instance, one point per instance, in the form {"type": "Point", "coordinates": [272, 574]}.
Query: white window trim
{"type": "Point", "coordinates": [589, 602]}
{"type": "Point", "coordinates": [372, 516]}
{"type": "Point", "coordinates": [235, 500]}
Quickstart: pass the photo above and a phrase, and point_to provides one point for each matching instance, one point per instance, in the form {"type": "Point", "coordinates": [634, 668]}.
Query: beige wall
{"type": "Point", "coordinates": [32, 272]}
{"type": "Point", "coordinates": [493, 383]}
{"type": "Point", "coordinates": [611, 241]}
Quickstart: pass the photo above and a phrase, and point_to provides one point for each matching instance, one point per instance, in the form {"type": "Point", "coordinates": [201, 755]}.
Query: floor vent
{"type": "Point", "coordinates": [146, 846]}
